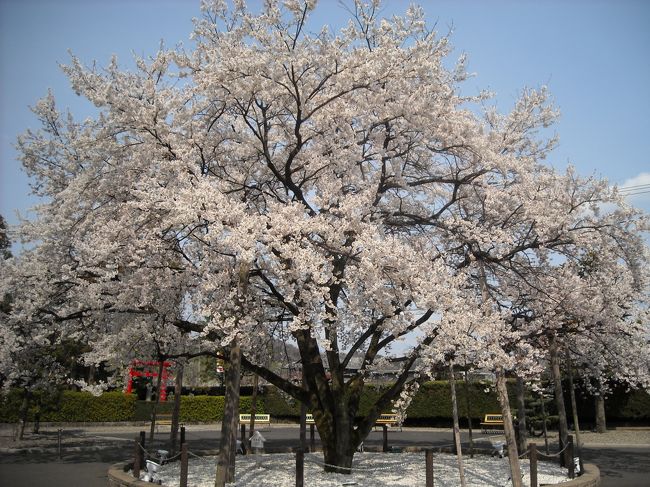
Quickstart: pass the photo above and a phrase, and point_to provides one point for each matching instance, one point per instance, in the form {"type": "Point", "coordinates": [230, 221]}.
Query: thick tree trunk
{"type": "Point", "coordinates": [559, 397]}
{"type": "Point", "coordinates": [521, 415]}
{"type": "Point", "coordinates": [601, 420]}
{"type": "Point", "coordinates": [176, 412]}
{"type": "Point", "coordinates": [338, 448]}
{"type": "Point", "coordinates": [508, 428]}
{"type": "Point", "coordinates": [232, 374]}
{"type": "Point", "coordinates": [454, 410]}
{"type": "Point", "coordinates": [228, 447]}
{"type": "Point", "coordinates": [154, 411]}
{"type": "Point", "coordinates": [574, 405]}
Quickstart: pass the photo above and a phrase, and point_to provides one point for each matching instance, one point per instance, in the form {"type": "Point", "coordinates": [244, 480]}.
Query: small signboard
{"type": "Point", "coordinates": [257, 440]}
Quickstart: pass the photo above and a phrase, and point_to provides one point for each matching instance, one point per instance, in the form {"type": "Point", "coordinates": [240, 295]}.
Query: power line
{"type": "Point", "coordinates": [634, 188]}
{"type": "Point", "coordinates": [637, 193]}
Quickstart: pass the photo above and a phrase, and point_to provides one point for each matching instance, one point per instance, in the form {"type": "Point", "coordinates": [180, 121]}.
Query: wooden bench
{"type": "Point", "coordinates": [389, 419]}
{"type": "Point", "coordinates": [259, 419]}
{"type": "Point", "coordinates": [492, 422]}
{"type": "Point", "coordinates": [163, 419]}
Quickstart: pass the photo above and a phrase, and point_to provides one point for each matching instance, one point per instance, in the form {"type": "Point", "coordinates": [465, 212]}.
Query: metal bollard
{"type": "Point", "coordinates": [182, 434]}
{"type": "Point", "coordinates": [385, 445]}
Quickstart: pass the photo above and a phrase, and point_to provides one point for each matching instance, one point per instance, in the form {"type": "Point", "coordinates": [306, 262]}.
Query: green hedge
{"type": "Point", "coordinates": [431, 405]}
{"type": "Point", "coordinates": [209, 409]}
{"type": "Point", "coordinates": [83, 406]}
{"type": "Point", "coordinates": [194, 409]}
{"type": "Point", "coordinates": [433, 402]}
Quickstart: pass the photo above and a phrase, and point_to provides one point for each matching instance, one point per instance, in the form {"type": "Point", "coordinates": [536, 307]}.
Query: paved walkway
{"type": "Point", "coordinates": [86, 452]}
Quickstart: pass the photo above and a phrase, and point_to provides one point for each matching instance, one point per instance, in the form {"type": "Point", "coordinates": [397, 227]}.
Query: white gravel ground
{"type": "Point", "coordinates": [371, 470]}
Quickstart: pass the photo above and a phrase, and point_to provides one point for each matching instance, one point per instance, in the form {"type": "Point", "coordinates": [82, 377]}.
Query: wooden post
{"type": "Point", "coordinates": [533, 465]}
{"type": "Point", "coordinates": [143, 436]}
{"type": "Point", "coordinates": [312, 438]}
{"type": "Point", "coordinates": [60, 431]}
{"type": "Point", "coordinates": [176, 411]}
{"type": "Point", "coordinates": [184, 468]}
{"type": "Point", "coordinates": [303, 426]}
{"type": "Point", "coordinates": [136, 459]}
{"type": "Point", "coordinates": [244, 443]}
{"type": "Point", "coordinates": [569, 456]}
{"type": "Point", "coordinates": [428, 456]}
{"type": "Point", "coordinates": [454, 409]}
{"type": "Point", "coordinates": [182, 434]}
{"type": "Point", "coordinates": [300, 468]}
{"type": "Point", "coordinates": [385, 430]}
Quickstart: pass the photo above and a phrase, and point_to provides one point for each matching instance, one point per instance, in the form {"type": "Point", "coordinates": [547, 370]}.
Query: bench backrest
{"type": "Point", "coordinates": [246, 418]}
{"type": "Point", "coordinates": [495, 418]}
{"type": "Point", "coordinates": [387, 417]}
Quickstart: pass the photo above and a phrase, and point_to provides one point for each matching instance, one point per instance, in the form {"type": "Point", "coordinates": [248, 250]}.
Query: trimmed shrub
{"type": "Point", "coordinates": [10, 402]}
{"type": "Point", "coordinates": [84, 407]}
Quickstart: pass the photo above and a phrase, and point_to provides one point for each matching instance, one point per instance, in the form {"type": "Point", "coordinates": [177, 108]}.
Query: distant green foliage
{"type": "Point", "coordinates": [279, 405]}
{"type": "Point", "coordinates": [431, 405]}
{"type": "Point", "coordinates": [10, 405]}
{"type": "Point", "coordinates": [84, 407]}
{"type": "Point", "coordinates": [209, 409]}
{"type": "Point", "coordinates": [433, 401]}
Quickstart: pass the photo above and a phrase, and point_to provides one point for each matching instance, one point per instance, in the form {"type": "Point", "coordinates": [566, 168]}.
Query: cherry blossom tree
{"type": "Point", "coordinates": [373, 206]}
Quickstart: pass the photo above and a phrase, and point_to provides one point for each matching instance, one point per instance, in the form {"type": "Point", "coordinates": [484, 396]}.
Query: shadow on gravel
{"type": "Point", "coordinates": [613, 462]}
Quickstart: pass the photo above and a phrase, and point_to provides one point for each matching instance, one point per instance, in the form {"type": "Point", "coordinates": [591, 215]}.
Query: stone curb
{"type": "Point", "coordinates": [51, 449]}
{"type": "Point", "coordinates": [119, 476]}
{"type": "Point", "coordinates": [590, 478]}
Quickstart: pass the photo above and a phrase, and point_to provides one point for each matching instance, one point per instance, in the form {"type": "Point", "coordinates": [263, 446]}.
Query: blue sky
{"type": "Point", "coordinates": [592, 54]}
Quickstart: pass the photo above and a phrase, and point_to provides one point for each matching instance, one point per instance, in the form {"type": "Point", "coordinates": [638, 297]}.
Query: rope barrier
{"type": "Point", "coordinates": [172, 458]}
{"type": "Point", "coordinates": [202, 458]}
{"type": "Point", "coordinates": [554, 454]}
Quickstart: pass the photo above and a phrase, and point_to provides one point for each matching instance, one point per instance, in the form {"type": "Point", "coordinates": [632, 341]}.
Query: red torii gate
{"type": "Point", "coordinates": [147, 366]}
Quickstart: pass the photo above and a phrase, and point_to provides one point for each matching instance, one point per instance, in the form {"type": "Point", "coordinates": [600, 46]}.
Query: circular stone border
{"type": "Point", "coordinates": [119, 475]}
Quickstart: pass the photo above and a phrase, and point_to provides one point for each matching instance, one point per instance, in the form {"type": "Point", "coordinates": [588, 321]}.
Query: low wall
{"type": "Point", "coordinates": [590, 478]}
{"type": "Point", "coordinates": [119, 475]}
